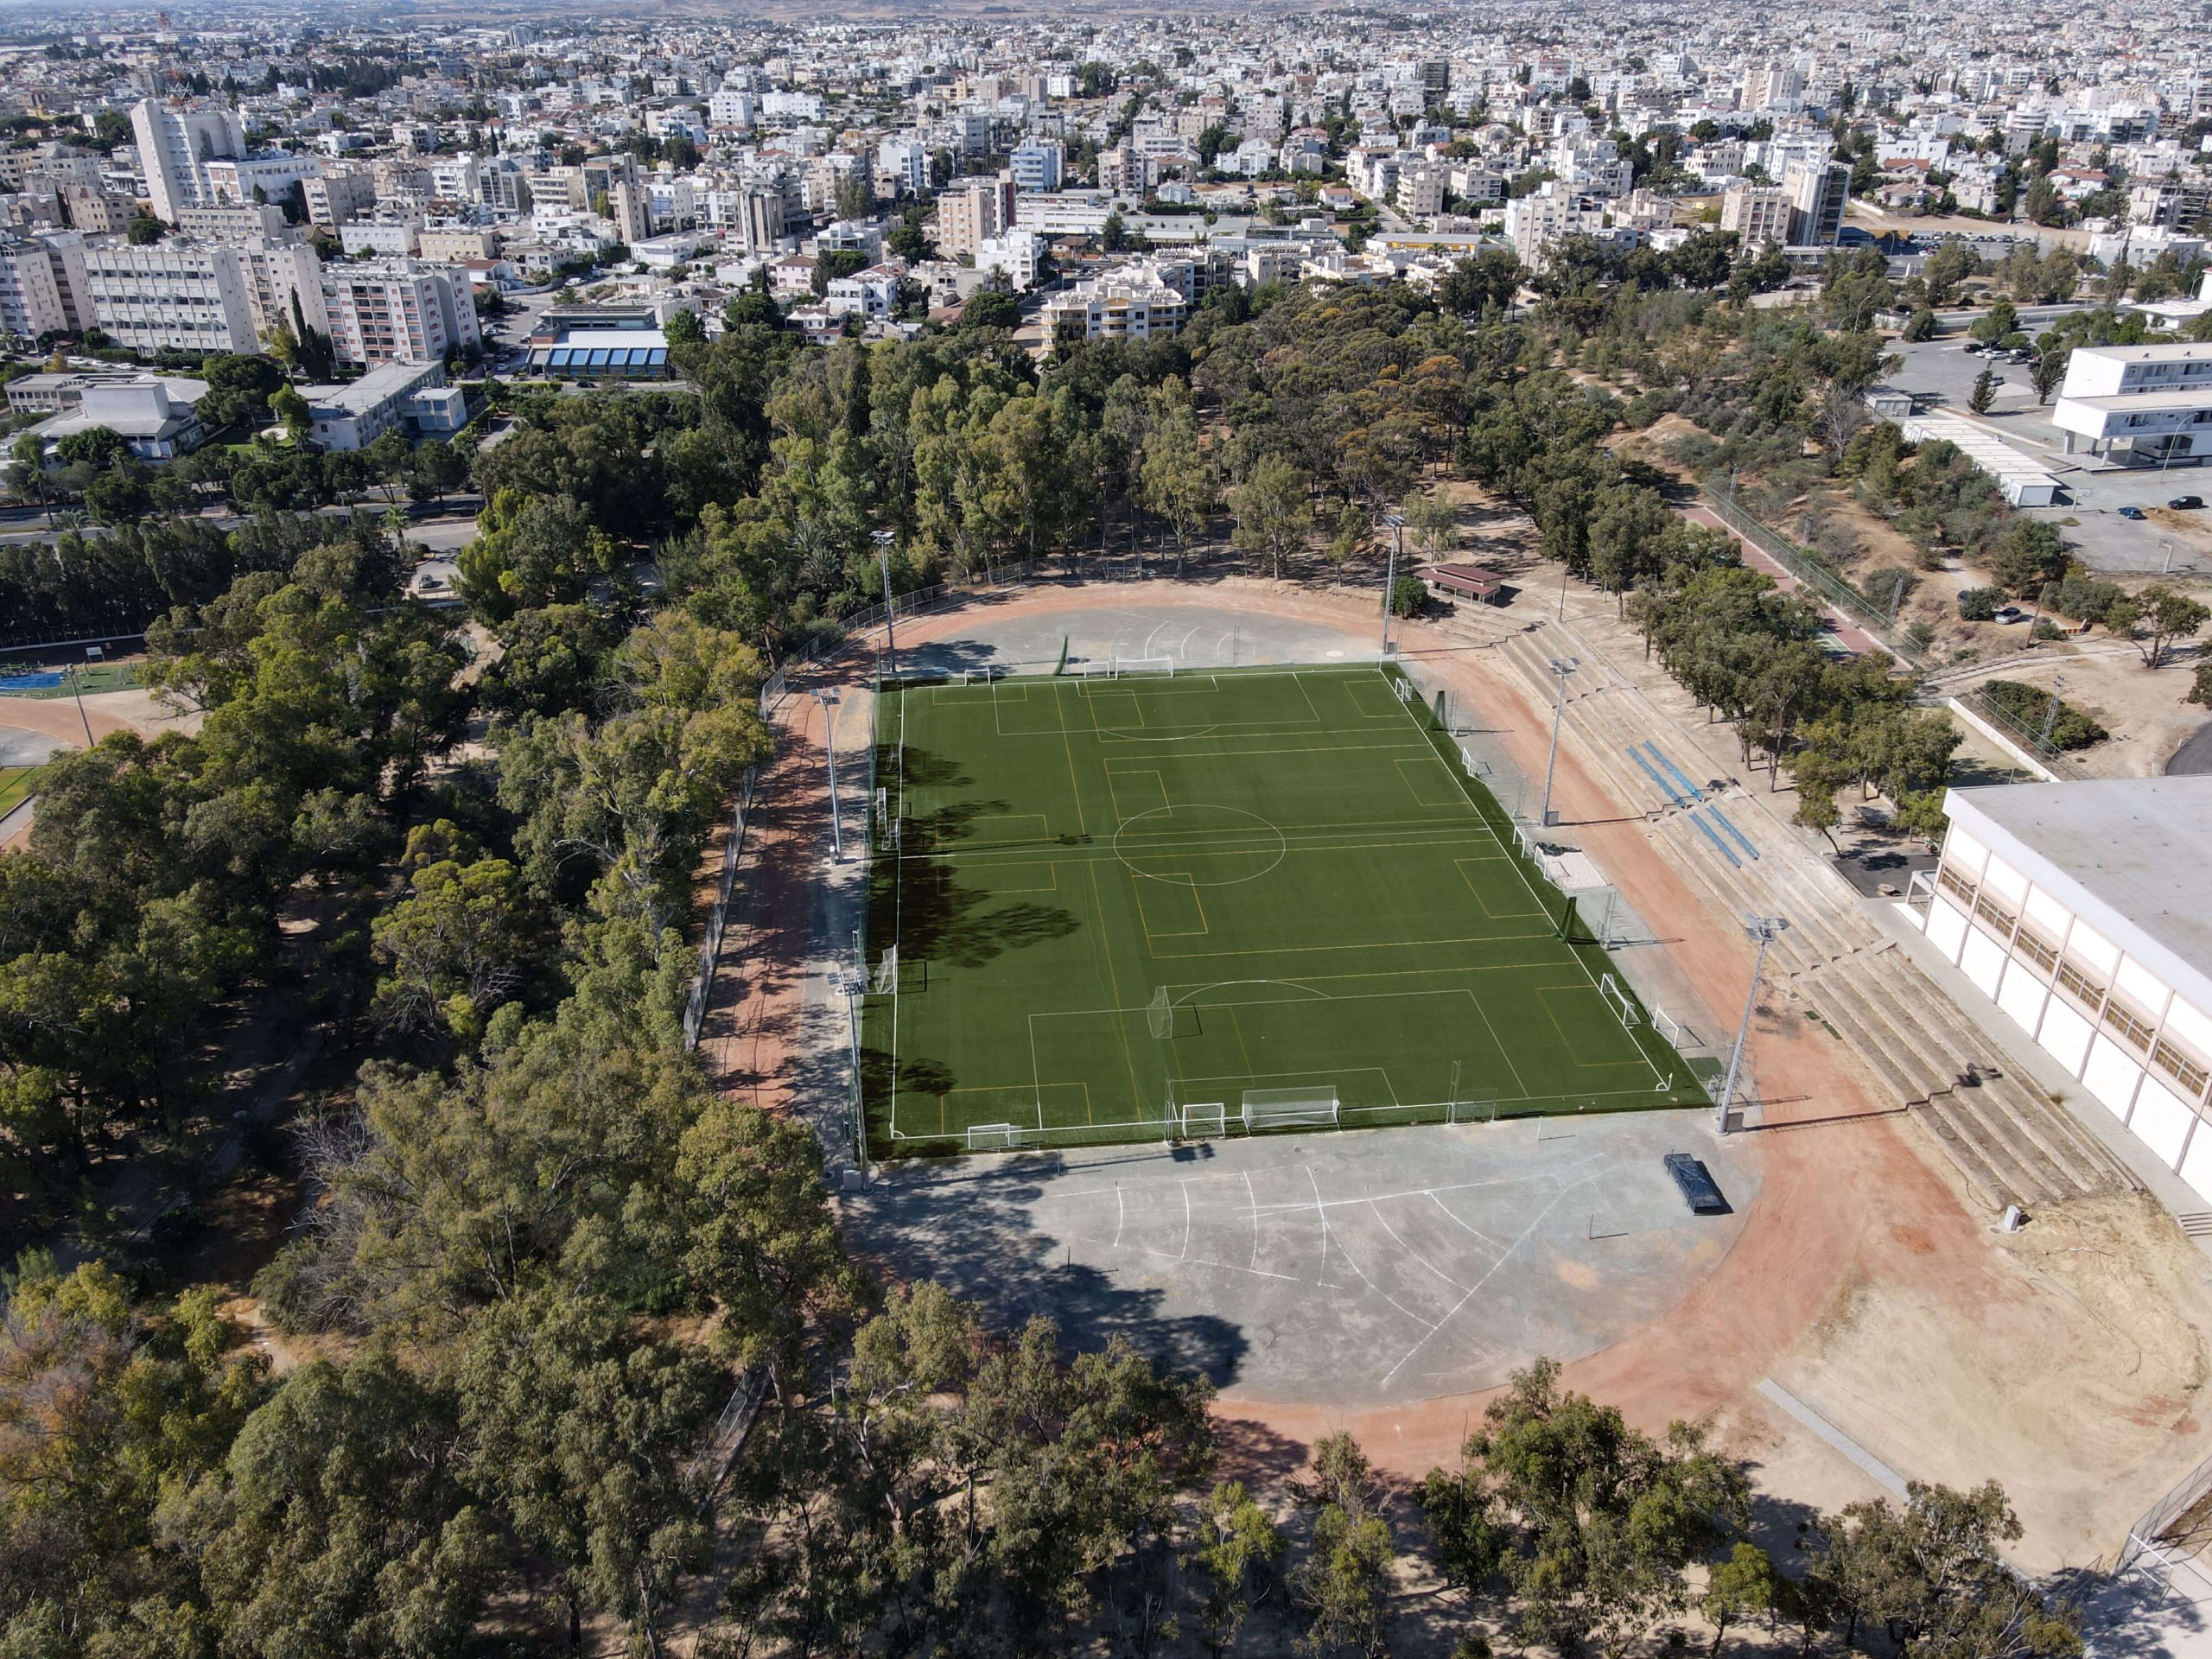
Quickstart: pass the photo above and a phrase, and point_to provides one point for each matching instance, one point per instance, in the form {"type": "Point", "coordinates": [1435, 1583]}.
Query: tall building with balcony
{"type": "Point", "coordinates": [174, 144]}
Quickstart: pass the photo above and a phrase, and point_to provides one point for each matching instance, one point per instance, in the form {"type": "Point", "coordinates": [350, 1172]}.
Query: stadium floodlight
{"type": "Point", "coordinates": [883, 538]}
{"type": "Point", "coordinates": [1561, 666]}
{"type": "Point", "coordinates": [1762, 931]}
{"type": "Point", "coordinates": [1397, 522]}
{"type": "Point", "coordinates": [828, 697]}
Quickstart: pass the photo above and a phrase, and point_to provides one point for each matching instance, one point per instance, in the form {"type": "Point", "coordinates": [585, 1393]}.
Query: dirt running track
{"type": "Point", "coordinates": [1856, 1214]}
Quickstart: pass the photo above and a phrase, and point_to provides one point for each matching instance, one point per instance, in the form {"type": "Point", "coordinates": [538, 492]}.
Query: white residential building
{"type": "Point", "coordinates": [1547, 215]}
{"type": "Point", "coordinates": [398, 311]}
{"type": "Point", "coordinates": [1038, 165]}
{"type": "Point", "coordinates": [32, 301]}
{"type": "Point", "coordinates": [1015, 254]}
{"type": "Point", "coordinates": [174, 144]}
{"type": "Point", "coordinates": [172, 295]}
{"type": "Point", "coordinates": [1125, 305]}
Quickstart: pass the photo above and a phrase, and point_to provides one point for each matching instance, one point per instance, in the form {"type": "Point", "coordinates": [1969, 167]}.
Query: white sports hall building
{"type": "Point", "coordinates": [2084, 911]}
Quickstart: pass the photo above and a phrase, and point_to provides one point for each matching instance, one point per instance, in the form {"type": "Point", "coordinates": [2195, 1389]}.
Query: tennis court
{"type": "Point", "coordinates": [1118, 905]}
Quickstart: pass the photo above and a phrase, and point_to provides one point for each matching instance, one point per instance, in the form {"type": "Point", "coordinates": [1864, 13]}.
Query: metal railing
{"type": "Point", "coordinates": [1809, 568]}
{"type": "Point", "coordinates": [2027, 738]}
{"type": "Point", "coordinates": [710, 948]}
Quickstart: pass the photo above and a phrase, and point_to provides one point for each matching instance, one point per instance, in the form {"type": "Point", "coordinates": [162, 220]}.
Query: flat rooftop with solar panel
{"type": "Point", "coordinates": [1135, 901]}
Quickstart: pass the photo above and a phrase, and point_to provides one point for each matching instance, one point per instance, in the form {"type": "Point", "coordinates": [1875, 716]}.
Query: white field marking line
{"type": "Point", "coordinates": [1252, 1196]}
{"type": "Point", "coordinates": [1503, 1053]}
{"type": "Point", "coordinates": [1186, 1220]}
{"type": "Point", "coordinates": [1537, 897]}
{"type": "Point", "coordinates": [1557, 1199]}
{"type": "Point", "coordinates": [1430, 1330]}
{"type": "Point", "coordinates": [1376, 1210]}
{"type": "Point", "coordinates": [1199, 1261]}
{"type": "Point", "coordinates": [1469, 1225]}
{"type": "Point", "coordinates": [1121, 1213]}
{"type": "Point", "coordinates": [1432, 1191]}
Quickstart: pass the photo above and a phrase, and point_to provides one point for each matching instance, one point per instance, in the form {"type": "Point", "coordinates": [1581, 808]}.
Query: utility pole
{"type": "Point", "coordinates": [828, 697]}
{"type": "Point", "coordinates": [1762, 931]}
{"type": "Point", "coordinates": [883, 539]}
{"type": "Point", "coordinates": [1561, 666]}
{"type": "Point", "coordinates": [1397, 522]}
{"type": "Point", "coordinates": [2050, 712]}
{"type": "Point", "coordinates": [854, 983]}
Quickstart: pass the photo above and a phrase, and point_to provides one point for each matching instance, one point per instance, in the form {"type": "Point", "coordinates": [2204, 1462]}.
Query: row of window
{"type": "Point", "coordinates": [2081, 985]}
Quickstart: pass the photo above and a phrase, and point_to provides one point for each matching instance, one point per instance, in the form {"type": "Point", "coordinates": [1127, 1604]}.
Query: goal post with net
{"type": "Point", "coordinates": [886, 972]}
{"type": "Point", "coordinates": [1162, 667]}
{"type": "Point", "coordinates": [1160, 1014]}
{"type": "Point", "coordinates": [1619, 1000]}
{"type": "Point", "coordinates": [1311, 1106]}
{"type": "Point", "coordinates": [1205, 1119]}
{"type": "Point", "coordinates": [993, 1137]}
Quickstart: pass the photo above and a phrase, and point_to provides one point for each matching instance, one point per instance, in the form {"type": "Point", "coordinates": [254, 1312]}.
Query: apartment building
{"type": "Point", "coordinates": [1758, 213]}
{"type": "Point", "coordinates": [1549, 214]}
{"type": "Point", "coordinates": [176, 144]}
{"type": "Point", "coordinates": [1038, 165]}
{"type": "Point", "coordinates": [237, 223]}
{"type": "Point", "coordinates": [398, 311]}
{"type": "Point", "coordinates": [335, 196]}
{"type": "Point", "coordinates": [1817, 191]}
{"type": "Point", "coordinates": [255, 178]}
{"type": "Point", "coordinates": [2138, 405]}
{"type": "Point", "coordinates": [971, 212]}
{"type": "Point", "coordinates": [31, 292]}
{"type": "Point", "coordinates": [173, 296]}
{"type": "Point", "coordinates": [1122, 305]}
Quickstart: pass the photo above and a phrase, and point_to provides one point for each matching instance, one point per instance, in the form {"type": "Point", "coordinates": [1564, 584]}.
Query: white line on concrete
{"type": "Point", "coordinates": [1882, 1473]}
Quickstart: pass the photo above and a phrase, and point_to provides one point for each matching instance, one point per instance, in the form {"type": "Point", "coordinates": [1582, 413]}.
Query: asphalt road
{"type": "Point", "coordinates": [2193, 758]}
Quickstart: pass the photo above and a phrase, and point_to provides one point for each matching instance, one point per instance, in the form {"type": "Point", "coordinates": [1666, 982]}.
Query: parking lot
{"type": "Point", "coordinates": [1942, 371]}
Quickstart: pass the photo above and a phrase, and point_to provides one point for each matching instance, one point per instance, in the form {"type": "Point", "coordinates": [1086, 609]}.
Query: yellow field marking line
{"type": "Point", "coordinates": [1144, 921]}
{"type": "Point", "coordinates": [1543, 1001]}
{"type": "Point", "coordinates": [1067, 745]}
{"type": "Point", "coordinates": [1494, 915]}
{"type": "Point", "coordinates": [1413, 788]}
{"type": "Point", "coordinates": [1113, 980]}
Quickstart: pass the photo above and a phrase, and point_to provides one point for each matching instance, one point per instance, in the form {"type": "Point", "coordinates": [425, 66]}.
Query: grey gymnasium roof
{"type": "Point", "coordinates": [2140, 847]}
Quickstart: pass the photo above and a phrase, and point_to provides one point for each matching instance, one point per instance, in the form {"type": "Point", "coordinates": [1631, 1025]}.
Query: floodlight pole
{"type": "Point", "coordinates": [883, 539]}
{"type": "Point", "coordinates": [2050, 713]}
{"type": "Point", "coordinates": [1397, 524]}
{"type": "Point", "coordinates": [828, 700]}
{"type": "Point", "coordinates": [1561, 666]}
{"type": "Point", "coordinates": [1764, 929]}
{"type": "Point", "coordinates": [77, 688]}
{"type": "Point", "coordinates": [855, 982]}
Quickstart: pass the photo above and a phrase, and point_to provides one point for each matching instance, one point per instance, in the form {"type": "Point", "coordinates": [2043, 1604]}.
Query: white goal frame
{"type": "Point", "coordinates": [1402, 689]}
{"type": "Point", "coordinates": [1163, 666]}
{"type": "Point", "coordinates": [886, 972]}
{"type": "Point", "coordinates": [1284, 1108]}
{"type": "Point", "coordinates": [970, 675]}
{"type": "Point", "coordinates": [1618, 1001]}
{"type": "Point", "coordinates": [995, 1137]}
{"type": "Point", "coordinates": [1668, 1026]}
{"type": "Point", "coordinates": [1205, 1120]}
{"type": "Point", "coordinates": [1160, 1015]}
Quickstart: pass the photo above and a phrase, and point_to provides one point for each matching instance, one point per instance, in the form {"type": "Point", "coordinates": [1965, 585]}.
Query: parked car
{"type": "Point", "coordinates": [2186, 503]}
{"type": "Point", "coordinates": [1698, 1190]}
{"type": "Point", "coordinates": [2007, 613]}
{"type": "Point", "coordinates": [2132, 513]}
